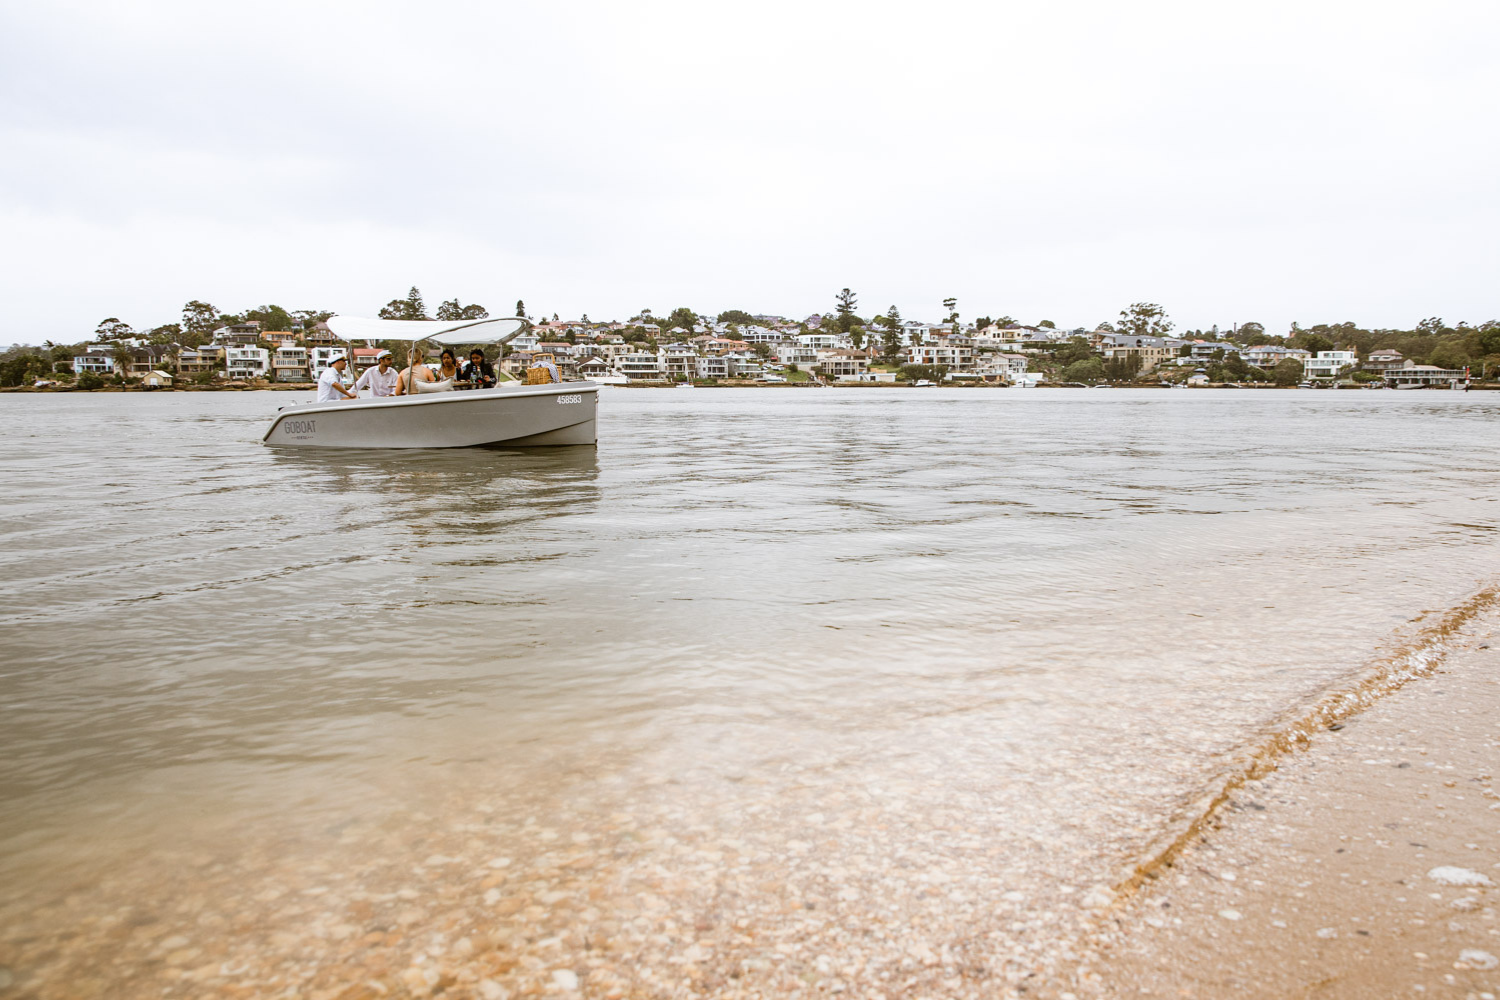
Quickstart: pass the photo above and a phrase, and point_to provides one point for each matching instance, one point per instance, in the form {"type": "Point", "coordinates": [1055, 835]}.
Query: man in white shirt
{"type": "Point", "coordinates": [331, 382]}
{"type": "Point", "coordinates": [380, 380]}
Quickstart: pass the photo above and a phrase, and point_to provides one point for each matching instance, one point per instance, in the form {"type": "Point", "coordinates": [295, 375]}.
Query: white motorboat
{"type": "Point", "coordinates": [511, 414]}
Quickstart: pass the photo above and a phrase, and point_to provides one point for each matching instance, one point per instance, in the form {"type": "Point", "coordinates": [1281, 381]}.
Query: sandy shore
{"type": "Point", "coordinates": [1366, 866]}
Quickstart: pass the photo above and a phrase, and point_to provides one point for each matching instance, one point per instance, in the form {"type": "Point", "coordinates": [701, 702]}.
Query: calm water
{"type": "Point", "coordinates": [836, 670]}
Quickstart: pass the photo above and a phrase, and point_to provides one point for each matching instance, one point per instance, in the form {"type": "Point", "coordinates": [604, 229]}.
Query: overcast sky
{"type": "Point", "coordinates": [1277, 162]}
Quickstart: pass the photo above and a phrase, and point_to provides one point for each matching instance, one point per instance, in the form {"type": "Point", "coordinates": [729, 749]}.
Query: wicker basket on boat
{"type": "Point", "coordinates": [537, 374]}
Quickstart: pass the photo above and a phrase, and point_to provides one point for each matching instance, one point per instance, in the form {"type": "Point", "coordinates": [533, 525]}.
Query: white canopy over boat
{"type": "Point", "coordinates": [447, 333]}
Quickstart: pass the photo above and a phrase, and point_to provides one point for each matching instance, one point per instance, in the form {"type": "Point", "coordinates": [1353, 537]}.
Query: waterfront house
{"type": "Point", "coordinates": [320, 336]}
{"type": "Point", "coordinates": [595, 367]}
{"type": "Point", "coordinates": [823, 341]}
{"type": "Point", "coordinates": [1328, 364]}
{"type": "Point", "coordinates": [759, 335]}
{"type": "Point", "coordinates": [1412, 374]}
{"type": "Point", "coordinates": [1151, 350]}
{"type": "Point", "coordinates": [320, 357]}
{"type": "Point", "coordinates": [246, 363]}
{"type": "Point", "coordinates": [96, 359]}
{"type": "Point", "coordinates": [200, 360]}
{"type": "Point", "coordinates": [712, 366]}
{"type": "Point", "coordinates": [140, 361]}
{"type": "Point", "coordinates": [958, 358]}
{"type": "Point", "coordinates": [1384, 361]}
{"type": "Point", "coordinates": [641, 365]}
{"type": "Point", "coordinates": [158, 379]}
{"type": "Point", "coordinates": [238, 334]}
{"type": "Point", "coordinates": [838, 364]}
{"type": "Point", "coordinates": [796, 354]}
{"type": "Point", "coordinates": [680, 359]}
{"type": "Point", "coordinates": [1011, 364]}
{"type": "Point", "coordinates": [289, 363]}
{"type": "Point", "coordinates": [744, 364]}
{"type": "Point", "coordinates": [1267, 356]}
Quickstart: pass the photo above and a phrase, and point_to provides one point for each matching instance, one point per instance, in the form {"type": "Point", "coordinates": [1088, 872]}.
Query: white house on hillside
{"type": "Point", "coordinates": [247, 362]}
{"type": "Point", "coordinates": [1328, 363]}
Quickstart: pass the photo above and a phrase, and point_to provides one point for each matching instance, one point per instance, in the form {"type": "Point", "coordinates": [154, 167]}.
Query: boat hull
{"type": "Point", "coordinates": [512, 416]}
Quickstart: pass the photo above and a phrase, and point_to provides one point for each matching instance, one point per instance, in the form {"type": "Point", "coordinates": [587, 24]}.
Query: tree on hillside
{"type": "Point", "coordinates": [951, 304]}
{"type": "Point", "coordinates": [167, 333]}
{"type": "Point", "coordinates": [1144, 319]}
{"type": "Point", "coordinates": [272, 319]}
{"type": "Point", "coordinates": [736, 316]}
{"type": "Point", "coordinates": [1238, 367]}
{"type": "Point", "coordinates": [112, 329]}
{"type": "Point", "coordinates": [1047, 324]}
{"type": "Point", "coordinates": [682, 316]}
{"type": "Point", "coordinates": [1288, 371]}
{"type": "Point", "coordinates": [1122, 369]}
{"type": "Point", "coordinates": [846, 302]}
{"type": "Point", "coordinates": [410, 307]}
{"type": "Point", "coordinates": [1251, 331]}
{"type": "Point", "coordinates": [22, 368]}
{"type": "Point", "coordinates": [1450, 356]}
{"type": "Point", "coordinates": [1087, 370]}
{"type": "Point", "coordinates": [520, 308]}
{"type": "Point", "coordinates": [857, 337]}
{"type": "Point", "coordinates": [123, 356]}
{"type": "Point", "coordinates": [1432, 325]}
{"type": "Point", "coordinates": [845, 319]}
{"type": "Point", "coordinates": [891, 342]}
{"type": "Point", "coordinates": [199, 318]}
{"type": "Point", "coordinates": [1312, 342]}
{"type": "Point", "coordinates": [312, 317]}
{"type": "Point", "coordinates": [1487, 338]}
{"type": "Point", "coordinates": [455, 310]}
{"type": "Point", "coordinates": [933, 373]}
{"type": "Point", "coordinates": [1075, 350]}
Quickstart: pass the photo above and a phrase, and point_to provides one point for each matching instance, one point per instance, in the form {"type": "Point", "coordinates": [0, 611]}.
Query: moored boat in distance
{"type": "Point", "coordinates": [511, 415]}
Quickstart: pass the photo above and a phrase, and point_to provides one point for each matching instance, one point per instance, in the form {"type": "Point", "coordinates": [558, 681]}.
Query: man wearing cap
{"type": "Point", "coordinates": [380, 380]}
{"type": "Point", "coordinates": [331, 382]}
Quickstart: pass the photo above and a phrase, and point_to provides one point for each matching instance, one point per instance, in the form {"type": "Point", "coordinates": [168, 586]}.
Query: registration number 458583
{"type": "Point", "coordinates": [570, 398]}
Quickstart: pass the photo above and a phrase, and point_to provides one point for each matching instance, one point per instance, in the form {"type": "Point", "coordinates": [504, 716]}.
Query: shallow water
{"type": "Point", "coordinates": [774, 690]}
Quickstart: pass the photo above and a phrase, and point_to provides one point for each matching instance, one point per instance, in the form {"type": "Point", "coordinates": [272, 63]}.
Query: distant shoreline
{"type": "Point", "coordinates": [311, 386]}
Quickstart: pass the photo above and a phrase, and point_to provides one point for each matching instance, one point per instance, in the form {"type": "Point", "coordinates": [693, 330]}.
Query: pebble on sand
{"type": "Point", "coordinates": [1230, 914]}
{"type": "Point", "coordinates": [1453, 875]}
{"type": "Point", "coordinates": [566, 979]}
{"type": "Point", "coordinates": [1476, 959]}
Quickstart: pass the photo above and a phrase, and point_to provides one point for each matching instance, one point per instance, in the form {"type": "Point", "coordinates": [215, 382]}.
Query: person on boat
{"type": "Point", "coordinates": [382, 379]}
{"type": "Point", "coordinates": [331, 382]}
{"type": "Point", "coordinates": [479, 373]}
{"type": "Point", "coordinates": [416, 372]}
{"type": "Point", "coordinates": [448, 366]}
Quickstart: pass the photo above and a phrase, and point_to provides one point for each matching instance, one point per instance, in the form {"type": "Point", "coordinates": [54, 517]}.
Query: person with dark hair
{"type": "Point", "coordinates": [447, 366]}
{"type": "Point", "coordinates": [479, 373]}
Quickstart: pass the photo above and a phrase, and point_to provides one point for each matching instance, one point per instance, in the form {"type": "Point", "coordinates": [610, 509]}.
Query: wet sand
{"type": "Point", "coordinates": [1342, 873]}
